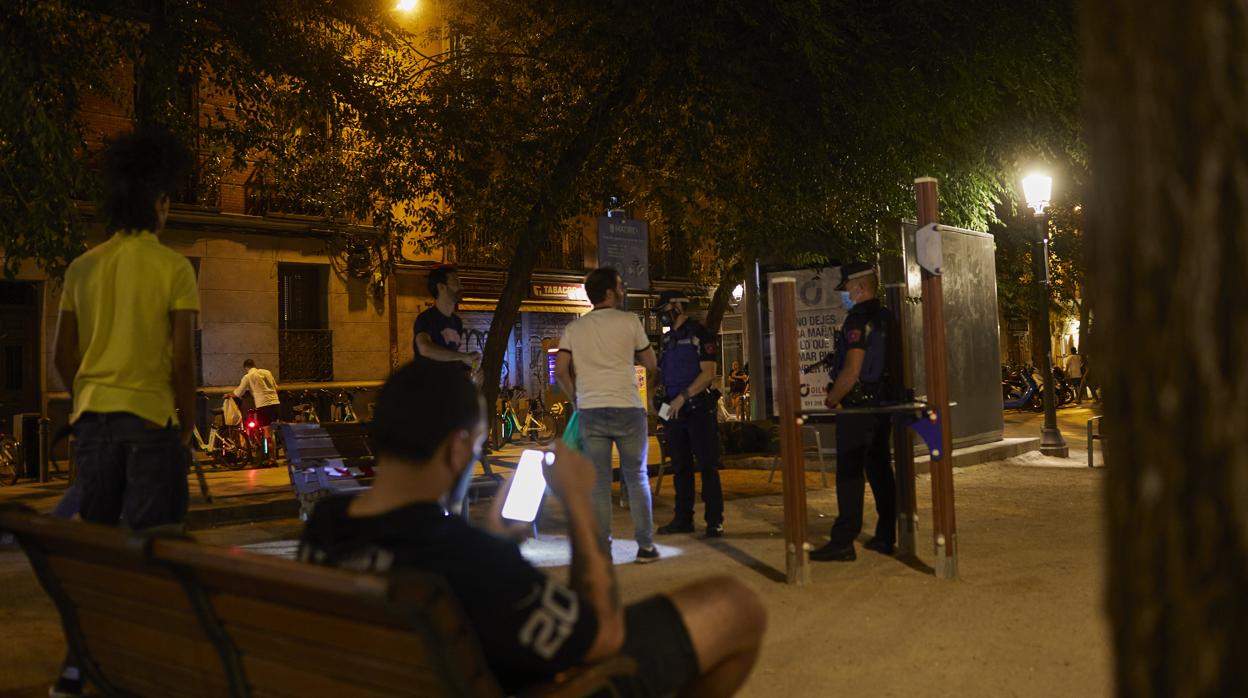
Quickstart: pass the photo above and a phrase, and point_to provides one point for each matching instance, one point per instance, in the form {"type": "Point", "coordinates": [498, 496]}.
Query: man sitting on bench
{"type": "Point", "coordinates": [700, 639]}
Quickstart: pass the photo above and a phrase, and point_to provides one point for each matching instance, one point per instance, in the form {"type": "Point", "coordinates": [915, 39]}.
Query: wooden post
{"type": "Point", "coordinates": [783, 292]}
{"type": "Point", "coordinates": [944, 528]}
{"type": "Point", "coordinates": [903, 443]}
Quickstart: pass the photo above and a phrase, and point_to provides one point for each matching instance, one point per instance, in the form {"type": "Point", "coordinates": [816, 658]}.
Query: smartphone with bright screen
{"type": "Point", "coordinates": [527, 486]}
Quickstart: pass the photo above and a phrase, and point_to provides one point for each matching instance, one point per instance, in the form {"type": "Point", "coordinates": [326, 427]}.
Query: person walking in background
{"type": "Point", "coordinates": [595, 363]}
{"type": "Point", "coordinates": [263, 388]}
{"type": "Point", "coordinates": [737, 382]}
{"type": "Point", "coordinates": [125, 349]}
{"type": "Point", "coordinates": [1074, 373]}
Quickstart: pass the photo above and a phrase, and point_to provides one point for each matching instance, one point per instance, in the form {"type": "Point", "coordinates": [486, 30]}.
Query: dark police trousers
{"type": "Point", "coordinates": [694, 436]}
{"type": "Point", "coordinates": [862, 447]}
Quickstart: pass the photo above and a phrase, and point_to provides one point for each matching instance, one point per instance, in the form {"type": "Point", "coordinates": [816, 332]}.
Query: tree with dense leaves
{"type": "Point", "coordinates": [1164, 85]}
{"type": "Point", "coordinates": [310, 83]}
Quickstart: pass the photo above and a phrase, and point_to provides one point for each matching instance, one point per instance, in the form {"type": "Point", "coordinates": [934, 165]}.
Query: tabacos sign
{"type": "Point", "coordinates": [558, 292]}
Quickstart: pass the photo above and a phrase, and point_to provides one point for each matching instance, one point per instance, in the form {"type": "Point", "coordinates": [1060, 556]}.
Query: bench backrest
{"type": "Point", "coordinates": [306, 442]}
{"type": "Point", "coordinates": [165, 616]}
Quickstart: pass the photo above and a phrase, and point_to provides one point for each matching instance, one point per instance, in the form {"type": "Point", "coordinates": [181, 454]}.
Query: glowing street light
{"type": "Point", "coordinates": [406, 5]}
{"type": "Point", "coordinates": [1038, 191]}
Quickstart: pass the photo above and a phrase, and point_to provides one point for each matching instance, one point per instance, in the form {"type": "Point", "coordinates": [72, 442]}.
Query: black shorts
{"type": "Point", "coordinates": [266, 415]}
{"type": "Point", "coordinates": [656, 637]}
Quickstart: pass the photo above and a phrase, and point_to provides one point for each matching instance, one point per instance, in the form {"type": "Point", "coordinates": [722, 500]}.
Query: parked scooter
{"type": "Point", "coordinates": [1063, 387]}
{"type": "Point", "coordinates": [1021, 391]}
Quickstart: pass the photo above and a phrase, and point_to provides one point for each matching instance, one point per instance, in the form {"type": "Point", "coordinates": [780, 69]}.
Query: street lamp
{"type": "Point", "coordinates": [406, 5]}
{"type": "Point", "coordinates": [1038, 189]}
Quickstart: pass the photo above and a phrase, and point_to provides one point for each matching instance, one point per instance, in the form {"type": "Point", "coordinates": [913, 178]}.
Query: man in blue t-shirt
{"type": "Point", "coordinates": [699, 639]}
{"type": "Point", "coordinates": [438, 332]}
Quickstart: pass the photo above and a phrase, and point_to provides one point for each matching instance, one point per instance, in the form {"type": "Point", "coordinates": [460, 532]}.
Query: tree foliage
{"type": "Point", "coordinates": [785, 130]}
{"type": "Point", "coordinates": [307, 104]}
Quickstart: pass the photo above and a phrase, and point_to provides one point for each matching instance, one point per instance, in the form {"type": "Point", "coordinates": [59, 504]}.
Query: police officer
{"type": "Point", "coordinates": [860, 379]}
{"type": "Point", "coordinates": [687, 368]}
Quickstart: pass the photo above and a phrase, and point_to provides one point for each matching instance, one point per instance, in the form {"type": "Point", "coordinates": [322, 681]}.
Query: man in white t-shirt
{"type": "Point", "coordinates": [596, 362]}
{"type": "Point", "coordinates": [259, 382]}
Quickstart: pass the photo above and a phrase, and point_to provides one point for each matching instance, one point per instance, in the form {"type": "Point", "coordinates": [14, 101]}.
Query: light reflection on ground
{"type": "Point", "coordinates": [546, 550]}
{"type": "Point", "coordinates": [549, 550]}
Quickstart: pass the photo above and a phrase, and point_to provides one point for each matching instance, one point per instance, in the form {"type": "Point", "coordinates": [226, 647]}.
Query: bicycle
{"type": "Point", "coordinates": [506, 422]}
{"type": "Point", "coordinates": [226, 445]}
{"type": "Point", "coordinates": [539, 423]}
{"type": "Point", "coordinates": [305, 412]}
{"type": "Point", "coordinates": [343, 409]}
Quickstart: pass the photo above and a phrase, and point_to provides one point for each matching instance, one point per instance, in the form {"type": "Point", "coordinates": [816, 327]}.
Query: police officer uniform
{"type": "Point", "coordinates": [693, 436]}
{"type": "Point", "coordinates": [862, 440]}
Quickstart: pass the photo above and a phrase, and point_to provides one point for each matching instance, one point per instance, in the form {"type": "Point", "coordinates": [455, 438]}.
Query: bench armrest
{"type": "Point", "coordinates": [584, 680]}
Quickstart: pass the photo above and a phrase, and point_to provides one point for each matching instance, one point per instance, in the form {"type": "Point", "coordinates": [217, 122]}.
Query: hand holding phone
{"type": "Point", "coordinates": [665, 411]}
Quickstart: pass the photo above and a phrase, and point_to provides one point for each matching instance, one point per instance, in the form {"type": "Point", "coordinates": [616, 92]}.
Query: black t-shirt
{"type": "Point", "coordinates": [446, 332]}
{"type": "Point", "coordinates": [530, 627]}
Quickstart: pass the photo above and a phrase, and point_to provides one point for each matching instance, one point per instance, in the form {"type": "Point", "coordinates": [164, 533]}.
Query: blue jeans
{"type": "Point", "coordinates": [625, 427]}
{"type": "Point", "coordinates": [130, 471]}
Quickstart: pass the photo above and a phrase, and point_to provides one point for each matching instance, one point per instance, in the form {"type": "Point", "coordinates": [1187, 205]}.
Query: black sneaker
{"type": "Point", "coordinates": [65, 688]}
{"type": "Point", "coordinates": [647, 555]}
{"type": "Point", "coordinates": [675, 527]}
{"type": "Point", "coordinates": [716, 531]}
{"type": "Point", "coordinates": [834, 553]}
{"type": "Point", "coordinates": [879, 546]}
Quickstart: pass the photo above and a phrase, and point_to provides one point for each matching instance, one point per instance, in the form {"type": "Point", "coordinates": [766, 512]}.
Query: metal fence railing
{"type": "Point", "coordinates": [305, 355]}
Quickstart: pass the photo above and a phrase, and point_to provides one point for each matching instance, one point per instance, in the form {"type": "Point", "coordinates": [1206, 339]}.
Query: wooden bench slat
{"type": "Point", "coordinates": [392, 643]}
{"type": "Point", "coordinates": [153, 590]}
{"type": "Point", "coordinates": [102, 630]}
{"type": "Point", "coordinates": [143, 675]}
{"type": "Point", "coordinates": [285, 680]}
{"type": "Point", "coordinates": [147, 614]}
{"type": "Point", "coordinates": [350, 664]}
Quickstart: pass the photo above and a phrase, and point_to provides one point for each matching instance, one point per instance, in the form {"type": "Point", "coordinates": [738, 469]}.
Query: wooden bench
{"type": "Point", "coordinates": [161, 615]}
{"type": "Point", "coordinates": [330, 458]}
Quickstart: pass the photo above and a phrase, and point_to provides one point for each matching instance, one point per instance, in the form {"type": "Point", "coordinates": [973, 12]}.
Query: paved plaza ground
{"type": "Point", "coordinates": [1025, 618]}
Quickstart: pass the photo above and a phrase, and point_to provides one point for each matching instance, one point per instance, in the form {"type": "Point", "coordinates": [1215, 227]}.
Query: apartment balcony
{"type": "Point", "coordinates": [305, 355]}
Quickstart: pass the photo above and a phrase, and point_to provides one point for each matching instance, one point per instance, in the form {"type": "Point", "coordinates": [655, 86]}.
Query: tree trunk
{"type": "Point", "coordinates": [543, 216]}
{"type": "Point", "coordinates": [1165, 101]}
{"type": "Point", "coordinates": [735, 274]}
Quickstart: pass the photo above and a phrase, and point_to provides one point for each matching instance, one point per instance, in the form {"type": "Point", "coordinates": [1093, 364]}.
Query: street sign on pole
{"type": "Point", "coordinates": [624, 245]}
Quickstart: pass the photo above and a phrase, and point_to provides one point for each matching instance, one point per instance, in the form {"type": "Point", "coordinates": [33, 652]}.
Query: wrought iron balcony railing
{"type": "Point", "coordinates": [305, 355]}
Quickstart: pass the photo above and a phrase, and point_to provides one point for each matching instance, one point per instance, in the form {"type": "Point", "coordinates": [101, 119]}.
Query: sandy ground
{"type": "Point", "coordinates": [1024, 619]}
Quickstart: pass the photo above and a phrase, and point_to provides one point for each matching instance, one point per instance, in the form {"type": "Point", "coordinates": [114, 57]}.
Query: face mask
{"type": "Point", "coordinates": [458, 494]}
{"type": "Point", "coordinates": [666, 318]}
{"type": "Point", "coordinates": [846, 300]}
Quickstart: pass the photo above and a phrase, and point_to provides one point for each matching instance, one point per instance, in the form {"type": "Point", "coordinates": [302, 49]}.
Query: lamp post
{"type": "Point", "coordinates": [1037, 189]}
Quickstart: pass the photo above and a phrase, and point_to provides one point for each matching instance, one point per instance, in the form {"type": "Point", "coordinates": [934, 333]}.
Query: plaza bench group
{"type": "Point", "coordinates": [162, 615]}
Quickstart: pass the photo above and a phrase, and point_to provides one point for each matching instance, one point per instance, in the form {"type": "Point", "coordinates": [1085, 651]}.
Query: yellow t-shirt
{"type": "Point", "coordinates": [121, 294]}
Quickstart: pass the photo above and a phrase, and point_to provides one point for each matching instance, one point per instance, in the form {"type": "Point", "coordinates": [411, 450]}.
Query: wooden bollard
{"type": "Point", "coordinates": [944, 528]}
{"type": "Point", "coordinates": [785, 363]}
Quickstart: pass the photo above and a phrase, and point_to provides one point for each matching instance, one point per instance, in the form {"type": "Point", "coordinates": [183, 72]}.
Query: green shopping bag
{"type": "Point", "coordinates": [572, 432]}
